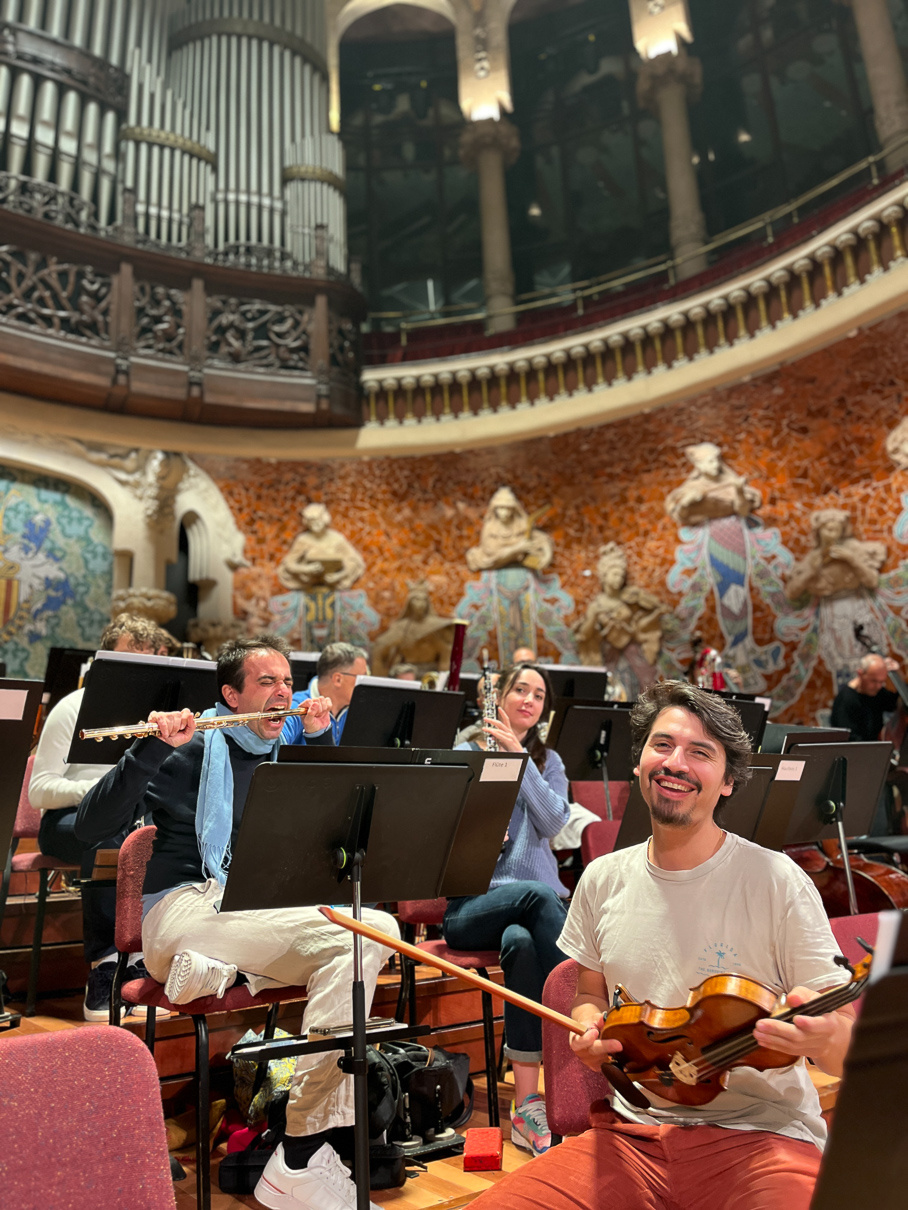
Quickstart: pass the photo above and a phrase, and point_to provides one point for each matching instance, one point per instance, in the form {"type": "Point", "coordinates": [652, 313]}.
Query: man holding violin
{"type": "Point", "coordinates": [658, 919]}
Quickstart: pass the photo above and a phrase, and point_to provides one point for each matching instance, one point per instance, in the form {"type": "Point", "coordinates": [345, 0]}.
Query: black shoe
{"type": "Point", "coordinates": [97, 992]}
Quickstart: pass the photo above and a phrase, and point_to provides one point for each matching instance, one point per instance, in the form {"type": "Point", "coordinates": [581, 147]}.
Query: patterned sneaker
{"type": "Point", "coordinates": [324, 1185]}
{"type": "Point", "coordinates": [193, 975]}
{"type": "Point", "coordinates": [529, 1125]}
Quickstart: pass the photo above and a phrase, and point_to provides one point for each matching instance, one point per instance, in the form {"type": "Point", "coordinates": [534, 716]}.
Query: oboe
{"type": "Point", "coordinates": [489, 700]}
{"type": "Point", "coordinates": [142, 730]}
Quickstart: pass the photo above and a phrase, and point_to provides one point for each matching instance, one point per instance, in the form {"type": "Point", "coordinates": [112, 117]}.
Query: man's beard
{"type": "Point", "coordinates": [668, 811]}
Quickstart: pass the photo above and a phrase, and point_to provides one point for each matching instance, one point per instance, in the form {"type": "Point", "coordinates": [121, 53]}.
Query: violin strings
{"type": "Point", "coordinates": [721, 1055]}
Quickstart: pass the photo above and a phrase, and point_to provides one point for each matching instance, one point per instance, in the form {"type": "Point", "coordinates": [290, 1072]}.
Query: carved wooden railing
{"type": "Point", "coordinates": [806, 296]}
{"type": "Point", "coordinates": [111, 324]}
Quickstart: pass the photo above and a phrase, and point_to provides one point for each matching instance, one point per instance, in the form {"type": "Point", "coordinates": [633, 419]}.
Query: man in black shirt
{"type": "Point", "coordinates": [195, 784]}
{"type": "Point", "coordinates": [861, 704]}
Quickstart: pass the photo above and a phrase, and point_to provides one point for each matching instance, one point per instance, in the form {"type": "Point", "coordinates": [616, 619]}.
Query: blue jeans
{"type": "Point", "coordinates": [523, 920]}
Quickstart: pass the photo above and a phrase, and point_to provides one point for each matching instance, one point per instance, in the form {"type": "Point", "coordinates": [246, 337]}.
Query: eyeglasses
{"type": "Point", "coordinates": [353, 674]}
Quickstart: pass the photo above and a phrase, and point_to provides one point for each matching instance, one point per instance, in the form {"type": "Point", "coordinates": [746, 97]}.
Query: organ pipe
{"type": "Point", "coordinates": [214, 103]}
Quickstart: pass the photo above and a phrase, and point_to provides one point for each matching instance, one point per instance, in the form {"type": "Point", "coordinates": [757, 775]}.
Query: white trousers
{"type": "Point", "coordinates": [274, 948]}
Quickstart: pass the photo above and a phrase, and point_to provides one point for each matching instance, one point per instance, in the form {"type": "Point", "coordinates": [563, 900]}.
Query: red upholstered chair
{"type": "Point", "coordinates": [598, 838]}
{"type": "Point", "coordinates": [431, 912]}
{"type": "Point", "coordinates": [28, 820]}
{"type": "Point", "coordinates": [570, 1086]}
{"type": "Point", "coordinates": [847, 929]}
{"type": "Point", "coordinates": [134, 856]}
{"type": "Point", "coordinates": [591, 794]}
{"type": "Point", "coordinates": [82, 1122]}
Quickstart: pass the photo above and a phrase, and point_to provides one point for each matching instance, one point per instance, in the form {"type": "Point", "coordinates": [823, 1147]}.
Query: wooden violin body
{"type": "Point", "coordinates": [674, 1052]}
{"type": "Point", "coordinates": [878, 887]}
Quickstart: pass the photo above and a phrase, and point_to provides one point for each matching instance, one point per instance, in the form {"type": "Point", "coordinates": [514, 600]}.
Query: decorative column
{"type": "Point", "coordinates": [885, 78]}
{"type": "Point", "coordinates": [665, 85]}
{"type": "Point", "coordinates": [488, 147]}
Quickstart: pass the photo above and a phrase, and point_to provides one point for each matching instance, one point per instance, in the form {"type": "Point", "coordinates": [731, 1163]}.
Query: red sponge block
{"type": "Point", "coordinates": [482, 1150]}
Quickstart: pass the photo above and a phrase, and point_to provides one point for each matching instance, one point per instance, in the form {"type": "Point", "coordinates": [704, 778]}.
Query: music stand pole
{"type": "Point", "coordinates": [833, 811]}
{"type": "Point", "coordinates": [349, 863]}
{"type": "Point", "coordinates": [603, 765]}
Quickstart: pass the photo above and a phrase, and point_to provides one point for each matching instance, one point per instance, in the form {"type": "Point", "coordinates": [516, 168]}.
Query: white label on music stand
{"type": "Point", "coordinates": [500, 770]}
{"type": "Point", "coordinates": [765, 702]}
{"type": "Point", "coordinates": [790, 770]}
{"type": "Point", "coordinates": [12, 704]}
{"type": "Point", "coordinates": [884, 946]}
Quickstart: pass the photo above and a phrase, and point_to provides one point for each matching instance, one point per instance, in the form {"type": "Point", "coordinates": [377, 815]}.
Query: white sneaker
{"type": "Point", "coordinates": [193, 975]}
{"type": "Point", "coordinates": [324, 1185]}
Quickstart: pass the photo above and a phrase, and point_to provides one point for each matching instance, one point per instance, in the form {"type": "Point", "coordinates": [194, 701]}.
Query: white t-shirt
{"type": "Point", "coordinates": [660, 933]}
{"type": "Point", "coordinates": [55, 783]}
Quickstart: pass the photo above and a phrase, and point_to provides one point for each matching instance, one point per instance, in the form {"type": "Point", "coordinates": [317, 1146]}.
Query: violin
{"type": "Point", "coordinates": [877, 887]}
{"type": "Point", "coordinates": [679, 1054]}
{"type": "Point", "coordinates": [684, 1054]}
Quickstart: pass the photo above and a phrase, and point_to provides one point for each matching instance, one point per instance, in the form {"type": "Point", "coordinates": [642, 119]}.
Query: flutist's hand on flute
{"type": "Point", "coordinates": [175, 727]}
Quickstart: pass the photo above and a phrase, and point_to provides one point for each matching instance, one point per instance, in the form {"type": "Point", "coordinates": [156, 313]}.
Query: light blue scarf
{"type": "Point", "coordinates": [214, 811]}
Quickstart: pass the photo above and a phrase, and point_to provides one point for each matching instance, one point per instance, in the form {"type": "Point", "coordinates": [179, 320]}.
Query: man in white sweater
{"type": "Point", "coordinates": [56, 789]}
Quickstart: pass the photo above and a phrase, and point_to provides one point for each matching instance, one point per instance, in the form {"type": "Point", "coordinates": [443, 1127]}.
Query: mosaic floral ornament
{"type": "Point", "coordinates": [506, 609]}
{"type": "Point", "coordinates": [311, 620]}
{"type": "Point", "coordinates": [55, 569]}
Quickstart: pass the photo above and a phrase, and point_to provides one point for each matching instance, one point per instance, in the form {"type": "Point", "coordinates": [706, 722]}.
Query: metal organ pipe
{"type": "Point", "coordinates": [225, 106]}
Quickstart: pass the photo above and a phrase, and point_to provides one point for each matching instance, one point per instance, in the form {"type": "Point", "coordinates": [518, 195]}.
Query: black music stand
{"type": "Point", "coordinates": [740, 814]}
{"type": "Point", "coordinates": [302, 667]}
{"type": "Point", "coordinates": [490, 800]}
{"type": "Point", "coordinates": [61, 676]}
{"type": "Point", "coordinates": [866, 1158]}
{"type": "Point", "coordinates": [332, 833]}
{"type": "Point", "coordinates": [753, 710]}
{"type": "Point", "coordinates": [818, 786]}
{"type": "Point", "coordinates": [137, 685]}
{"type": "Point", "coordinates": [380, 716]}
{"type": "Point", "coordinates": [19, 703]}
{"type": "Point", "coordinates": [577, 680]}
{"type": "Point", "coordinates": [594, 741]}
{"type": "Point", "coordinates": [781, 737]}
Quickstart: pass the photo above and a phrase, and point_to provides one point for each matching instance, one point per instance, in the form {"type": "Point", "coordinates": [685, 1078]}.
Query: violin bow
{"type": "Point", "coordinates": [442, 964]}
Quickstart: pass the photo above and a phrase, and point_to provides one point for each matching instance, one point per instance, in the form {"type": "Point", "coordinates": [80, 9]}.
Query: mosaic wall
{"type": "Point", "coordinates": [55, 569]}
{"type": "Point", "coordinates": [808, 436]}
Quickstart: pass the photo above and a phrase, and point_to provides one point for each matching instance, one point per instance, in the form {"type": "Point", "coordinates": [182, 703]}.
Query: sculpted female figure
{"type": "Point", "coordinates": [620, 614]}
{"type": "Point", "coordinates": [320, 555]}
{"type": "Point", "coordinates": [508, 538]}
{"type": "Point", "coordinates": [839, 563]}
{"type": "Point", "coordinates": [711, 490]}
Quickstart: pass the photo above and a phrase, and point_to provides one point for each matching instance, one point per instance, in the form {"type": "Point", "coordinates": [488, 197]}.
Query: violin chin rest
{"type": "Point", "coordinates": [621, 1082]}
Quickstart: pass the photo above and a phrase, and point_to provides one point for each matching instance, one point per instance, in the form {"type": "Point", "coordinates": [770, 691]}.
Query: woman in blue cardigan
{"type": "Point", "coordinates": [523, 911]}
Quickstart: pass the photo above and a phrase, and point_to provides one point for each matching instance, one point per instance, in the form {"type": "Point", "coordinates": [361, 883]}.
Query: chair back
{"type": "Point", "coordinates": [135, 853]}
{"type": "Point", "coordinates": [847, 929]}
{"type": "Point", "coordinates": [28, 820]}
{"type": "Point", "coordinates": [591, 794]}
{"type": "Point", "coordinates": [598, 838]}
{"type": "Point", "coordinates": [422, 911]}
{"type": "Point", "coordinates": [64, 1149]}
{"type": "Point", "coordinates": [570, 1086]}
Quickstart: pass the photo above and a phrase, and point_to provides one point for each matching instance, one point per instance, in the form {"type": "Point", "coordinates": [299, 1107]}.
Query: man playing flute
{"type": "Point", "coordinates": [195, 788]}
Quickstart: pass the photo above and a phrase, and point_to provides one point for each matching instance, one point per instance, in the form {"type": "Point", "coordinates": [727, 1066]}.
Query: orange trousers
{"type": "Point", "coordinates": [618, 1165]}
